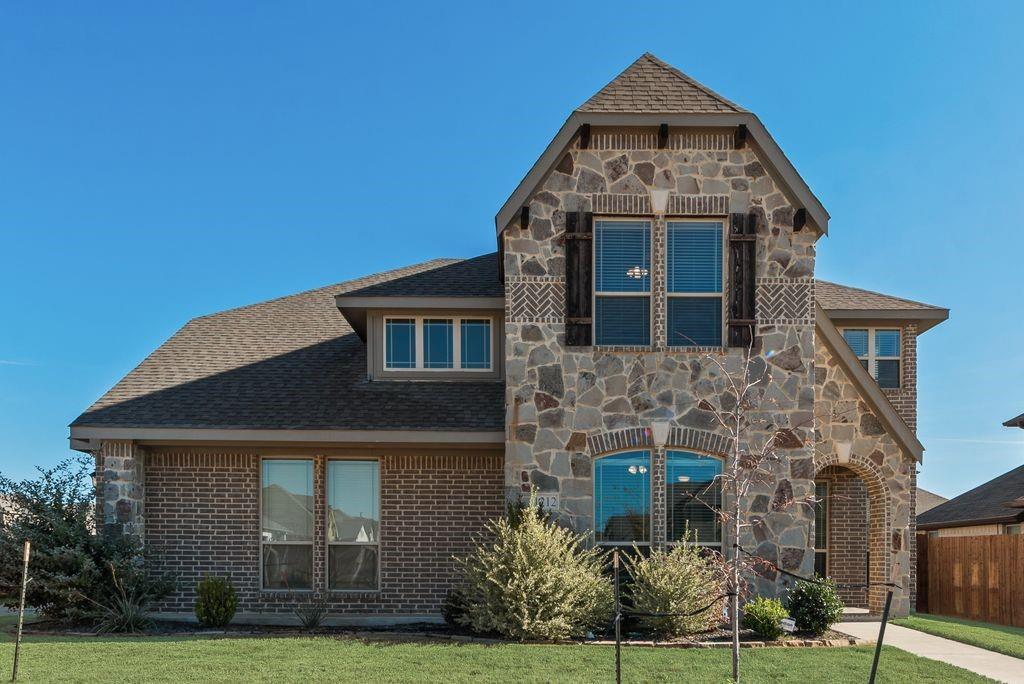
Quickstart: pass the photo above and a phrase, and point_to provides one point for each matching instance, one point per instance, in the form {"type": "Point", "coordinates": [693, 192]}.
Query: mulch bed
{"type": "Point", "coordinates": [719, 638]}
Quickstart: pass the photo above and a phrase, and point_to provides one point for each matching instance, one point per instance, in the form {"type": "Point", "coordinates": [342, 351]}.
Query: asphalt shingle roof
{"type": "Point", "coordinates": [649, 85]}
{"type": "Point", "coordinates": [288, 363]}
{"type": "Point", "coordinates": [476, 277]}
{"type": "Point", "coordinates": [832, 297]}
{"type": "Point", "coordinates": [985, 502]}
{"type": "Point", "coordinates": [1015, 422]}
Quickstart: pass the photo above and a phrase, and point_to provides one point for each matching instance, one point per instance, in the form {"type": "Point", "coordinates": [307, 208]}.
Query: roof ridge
{"type": "Point", "coordinates": [880, 294]}
{"type": "Point", "coordinates": [433, 263]}
{"type": "Point", "coordinates": [692, 81]}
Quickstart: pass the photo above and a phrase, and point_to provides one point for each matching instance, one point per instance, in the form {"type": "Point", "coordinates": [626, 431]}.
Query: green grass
{"type": "Point", "coordinates": [314, 659]}
{"type": "Point", "coordinates": [1008, 640]}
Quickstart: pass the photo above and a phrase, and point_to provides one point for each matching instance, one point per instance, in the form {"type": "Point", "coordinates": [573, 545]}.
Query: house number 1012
{"type": "Point", "coordinates": [549, 502]}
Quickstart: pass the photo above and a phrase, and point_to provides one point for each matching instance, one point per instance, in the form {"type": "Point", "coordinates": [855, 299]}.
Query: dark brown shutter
{"type": "Point", "coordinates": [579, 280]}
{"type": "Point", "coordinates": [742, 278]}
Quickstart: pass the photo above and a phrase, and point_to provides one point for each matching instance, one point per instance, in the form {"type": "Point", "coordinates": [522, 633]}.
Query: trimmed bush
{"type": "Point", "coordinates": [679, 581]}
{"type": "Point", "coordinates": [762, 616]}
{"type": "Point", "coordinates": [216, 602]}
{"type": "Point", "coordinates": [815, 606]}
{"type": "Point", "coordinates": [533, 580]}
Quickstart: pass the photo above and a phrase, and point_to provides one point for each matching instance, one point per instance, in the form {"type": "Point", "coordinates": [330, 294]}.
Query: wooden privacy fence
{"type": "Point", "coordinates": [975, 578]}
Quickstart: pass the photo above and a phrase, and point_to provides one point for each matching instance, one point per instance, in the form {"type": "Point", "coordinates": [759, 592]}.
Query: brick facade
{"type": "Point", "coordinates": [847, 532]}
{"type": "Point", "coordinates": [904, 399]}
{"type": "Point", "coordinates": [202, 513]}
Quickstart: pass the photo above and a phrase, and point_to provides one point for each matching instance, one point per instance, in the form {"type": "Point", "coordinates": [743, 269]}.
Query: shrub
{"type": "Point", "coordinates": [815, 606]}
{"type": "Point", "coordinates": [454, 606]}
{"type": "Point", "coordinates": [126, 611]}
{"type": "Point", "coordinates": [533, 581]}
{"type": "Point", "coordinates": [311, 614]}
{"type": "Point", "coordinates": [215, 602]}
{"type": "Point", "coordinates": [680, 581]}
{"type": "Point", "coordinates": [514, 511]}
{"type": "Point", "coordinates": [762, 615]}
{"type": "Point", "coordinates": [75, 571]}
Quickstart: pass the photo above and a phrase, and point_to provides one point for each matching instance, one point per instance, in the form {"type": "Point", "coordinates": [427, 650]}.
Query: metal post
{"type": "Point", "coordinates": [881, 635]}
{"type": "Point", "coordinates": [618, 620]}
{"type": "Point", "coordinates": [21, 612]}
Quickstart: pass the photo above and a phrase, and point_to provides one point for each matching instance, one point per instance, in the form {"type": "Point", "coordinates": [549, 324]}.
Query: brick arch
{"type": "Point", "coordinates": [618, 440]}
{"type": "Point", "coordinates": [880, 520]}
{"type": "Point", "coordinates": [703, 441]}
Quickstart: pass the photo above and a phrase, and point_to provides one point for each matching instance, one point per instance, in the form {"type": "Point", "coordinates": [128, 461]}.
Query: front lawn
{"type": "Point", "coordinates": [314, 659]}
{"type": "Point", "coordinates": [1007, 640]}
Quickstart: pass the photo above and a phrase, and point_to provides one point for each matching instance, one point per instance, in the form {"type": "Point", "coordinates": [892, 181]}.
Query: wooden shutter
{"type": "Point", "coordinates": [742, 278]}
{"type": "Point", "coordinates": [579, 279]}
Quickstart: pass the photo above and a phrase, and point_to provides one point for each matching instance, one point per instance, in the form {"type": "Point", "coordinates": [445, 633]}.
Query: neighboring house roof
{"type": "Point", "coordinates": [292, 363]}
{"type": "Point", "coordinates": [996, 501]}
{"type": "Point", "coordinates": [651, 85]}
{"type": "Point", "coordinates": [1015, 422]}
{"type": "Point", "coordinates": [927, 500]}
{"type": "Point", "coordinates": [650, 93]}
{"type": "Point", "coordinates": [844, 303]}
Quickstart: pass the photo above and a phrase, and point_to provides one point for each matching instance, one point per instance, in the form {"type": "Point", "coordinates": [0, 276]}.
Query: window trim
{"type": "Point", "coordinates": [456, 320]}
{"type": "Point", "coordinates": [328, 543]}
{"type": "Point", "coordinates": [722, 530]}
{"type": "Point", "coordinates": [703, 295]}
{"type": "Point", "coordinates": [311, 543]}
{"type": "Point", "coordinates": [649, 294]}
{"type": "Point", "coordinates": [872, 358]}
{"type": "Point", "coordinates": [649, 543]}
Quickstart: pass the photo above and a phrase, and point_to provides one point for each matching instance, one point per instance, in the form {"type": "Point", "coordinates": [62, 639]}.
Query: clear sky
{"type": "Point", "coordinates": [159, 161]}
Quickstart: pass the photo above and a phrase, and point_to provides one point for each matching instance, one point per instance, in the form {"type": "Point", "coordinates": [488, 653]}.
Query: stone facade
{"type": "Point", "coordinates": [568, 406]}
{"type": "Point", "coordinates": [846, 425]}
{"type": "Point", "coordinates": [121, 487]}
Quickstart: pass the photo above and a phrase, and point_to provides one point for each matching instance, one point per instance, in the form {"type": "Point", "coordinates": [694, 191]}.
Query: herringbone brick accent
{"type": "Point", "coordinates": [535, 300]}
{"type": "Point", "coordinates": [783, 301]}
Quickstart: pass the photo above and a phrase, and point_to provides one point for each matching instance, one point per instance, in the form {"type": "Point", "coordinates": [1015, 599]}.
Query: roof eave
{"type": "Point", "coordinates": [927, 318]}
{"type": "Point", "coordinates": [869, 389]}
{"type": "Point", "coordinates": [991, 520]}
{"type": "Point", "coordinates": [1017, 422]}
{"type": "Point", "coordinates": [778, 165]}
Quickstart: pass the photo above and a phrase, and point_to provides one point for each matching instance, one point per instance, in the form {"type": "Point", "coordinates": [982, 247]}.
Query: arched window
{"type": "Point", "coordinates": [622, 498]}
{"type": "Point", "coordinates": [693, 497]}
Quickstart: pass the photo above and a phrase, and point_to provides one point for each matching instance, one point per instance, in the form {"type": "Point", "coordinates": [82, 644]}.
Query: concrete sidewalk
{"type": "Point", "coordinates": [997, 666]}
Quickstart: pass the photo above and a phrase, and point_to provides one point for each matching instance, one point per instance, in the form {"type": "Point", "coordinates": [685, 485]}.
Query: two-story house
{"type": "Point", "coordinates": [348, 440]}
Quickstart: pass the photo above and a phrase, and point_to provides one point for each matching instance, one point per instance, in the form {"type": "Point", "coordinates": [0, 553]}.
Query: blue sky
{"type": "Point", "coordinates": [160, 161]}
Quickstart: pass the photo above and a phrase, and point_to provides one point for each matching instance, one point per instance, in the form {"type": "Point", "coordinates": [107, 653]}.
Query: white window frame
{"type": "Point", "coordinates": [650, 279]}
{"type": "Point", "coordinates": [872, 358]}
{"type": "Point", "coordinates": [650, 498]}
{"type": "Point", "coordinates": [327, 541]}
{"type": "Point", "coordinates": [703, 295]}
{"type": "Point", "coordinates": [828, 512]}
{"type": "Point", "coordinates": [721, 529]}
{"type": "Point", "coordinates": [310, 543]}
{"type": "Point", "coordinates": [456, 343]}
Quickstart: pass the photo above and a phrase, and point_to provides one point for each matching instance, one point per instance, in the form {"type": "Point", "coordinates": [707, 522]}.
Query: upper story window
{"type": "Point", "coordinates": [879, 352]}
{"type": "Point", "coordinates": [694, 283]}
{"type": "Point", "coordinates": [622, 283]}
{"type": "Point", "coordinates": [443, 343]}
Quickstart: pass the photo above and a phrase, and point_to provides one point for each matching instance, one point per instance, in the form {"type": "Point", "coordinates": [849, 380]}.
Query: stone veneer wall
{"type": "Point", "coordinates": [886, 471]}
{"type": "Point", "coordinates": [121, 488]}
{"type": "Point", "coordinates": [202, 517]}
{"type": "Point", "coordinates": [566, 406]}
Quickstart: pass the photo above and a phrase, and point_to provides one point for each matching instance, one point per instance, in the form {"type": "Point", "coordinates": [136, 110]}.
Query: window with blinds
{"type": "Point", "coordinates": [694, 264]}
{"type": "Point", "coordinates": [693, 498]}
{"type": "Point", "coordinates": [622, 283]}
{"type": "Point", "coordinates": [879, 352]}
{"type": "Point", "coordinates": [622, 498]}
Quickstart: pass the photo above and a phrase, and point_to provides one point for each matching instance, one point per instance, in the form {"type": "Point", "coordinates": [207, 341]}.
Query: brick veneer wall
{"type": "Point", "coordinates": [847, 532]}
{"type": "Point", "coordinates": [904, 399]}
{"type": "Point", "coordinates": [202, 514]}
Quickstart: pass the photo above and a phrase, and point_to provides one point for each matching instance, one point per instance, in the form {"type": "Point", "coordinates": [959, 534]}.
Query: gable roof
{"type": "Point", "coordinates": [995, 501]}
{"type": "Point", "coordinates": [650, 93]}
{"type": "Point", "coordinates": [651, 85]}
{"type": "Point", "coordinates": [845, 303]}
{"type": "Point", "coordinates": [292, 363]}
{"type": "Point", "coordinates": [926, 501]}
{"type": "Point", "coordinates": [1015, 422]}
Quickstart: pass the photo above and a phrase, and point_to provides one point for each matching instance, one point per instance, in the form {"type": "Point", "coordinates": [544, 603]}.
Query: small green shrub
{"type": "Point", "coordinates": [815, 606]}
{"type": "Point", "coordinates": [126, 611]}
{"type": "Point", "coordinates": [311, 614]}
{"type": "Point", "coordinates": [514, 510]}
{"type": "Point", "coordinates": [454, 606]}
{"type": "Point", "coordinates": [216, 602]}
{"type": "Point", "coordinates": [679, 581]}
{"type": "Point", "coordinates": [762, 615]}
{"type": "Point", "coordinates": [533, 580]}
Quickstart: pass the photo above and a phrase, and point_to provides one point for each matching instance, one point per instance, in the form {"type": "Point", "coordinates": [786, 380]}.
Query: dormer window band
{"type": "Point", "coordinates": [438, 343]}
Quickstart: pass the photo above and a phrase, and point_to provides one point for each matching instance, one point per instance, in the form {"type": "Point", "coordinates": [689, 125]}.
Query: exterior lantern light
{"type": "Point", "coordinates": [843, 451]}
{"type": "Point", "coordinates": [659, 201]}
{"type": "Point", "coordinates": [659, 432]}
